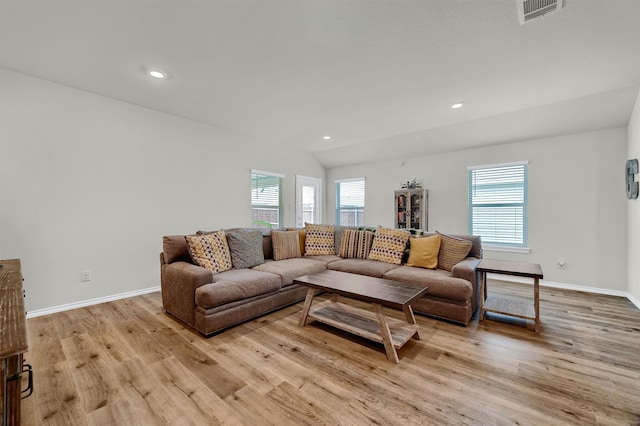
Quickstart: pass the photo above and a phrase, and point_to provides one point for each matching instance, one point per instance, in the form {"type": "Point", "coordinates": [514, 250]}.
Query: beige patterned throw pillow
{"type": "Point", "coordinates": [211, 251]}
{"type": "Point", "coordinates": [452, 251]}
{"type": "Point", "coordinates": [319, 241]}
{"type": "Point", "coordinates": [388, 245]}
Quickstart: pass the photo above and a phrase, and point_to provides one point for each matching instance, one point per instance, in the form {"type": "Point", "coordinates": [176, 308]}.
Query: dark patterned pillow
{"type": "Point", "coordinates": [355, 244]}
{"type": "Point", "coordinates": [452, 251]}
{"type": "Point", "coordinates": [388, 245]}
{"type": "Point", "coordinates": [211, 251]}
{"type": "Point", "coordinates": [320, 240]}
{"type": "Point", "coordinates": [285, 244]}
{"type": "Point", "coordinates": [245, 247]}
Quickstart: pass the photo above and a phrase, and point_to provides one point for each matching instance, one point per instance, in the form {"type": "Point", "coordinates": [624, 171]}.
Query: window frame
{"type": "Point", "coordinates": [258, 223]}
{"type": "Point", "coordinates": [490, 241]}
{"type": "Point", "coordinates": [357, 208]}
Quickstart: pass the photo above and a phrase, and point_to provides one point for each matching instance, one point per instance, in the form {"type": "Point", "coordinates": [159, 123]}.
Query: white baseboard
{"type": "Point", "coordinates": [83, 303]}
{"type": "Point", "coordinates": [634, 300]}
{"type": "Point", "coordinates": [543, 283]}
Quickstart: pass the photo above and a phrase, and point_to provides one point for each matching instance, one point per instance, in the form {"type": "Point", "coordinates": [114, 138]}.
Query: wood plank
{"type": "Point", "coordinates": [582, 368]}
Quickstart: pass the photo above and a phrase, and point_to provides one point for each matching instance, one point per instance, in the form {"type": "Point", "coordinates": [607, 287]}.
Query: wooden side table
{"type": "Point", "coordinates": [13, 342]}
{"type": "Point", "coordinates": [515, 307]}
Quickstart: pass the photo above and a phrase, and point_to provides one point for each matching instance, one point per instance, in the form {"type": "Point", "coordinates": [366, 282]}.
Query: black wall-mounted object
{"type": "Point", "coordinates": [630, 170]}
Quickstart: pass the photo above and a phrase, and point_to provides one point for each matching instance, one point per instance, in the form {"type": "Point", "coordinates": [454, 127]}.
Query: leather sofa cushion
{"type": "Point", "coordinates": [372, 268]}
{"type": "Point", "coordinates": [231, 286]}
{"type": "Point", "coordinates": [439, 282]}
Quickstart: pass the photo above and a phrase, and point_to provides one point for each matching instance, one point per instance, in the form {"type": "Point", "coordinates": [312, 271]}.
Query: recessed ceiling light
{"type": "Point", "coordinates": [326, 138]}
{"type": "Point", "coordinates": [157, 74]}
{"type": "Point", "coordinates": [458, 105]}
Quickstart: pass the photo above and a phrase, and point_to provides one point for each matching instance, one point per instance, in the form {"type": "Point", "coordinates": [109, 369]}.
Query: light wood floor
{"type": "Point", "coordinates": [128, 363]}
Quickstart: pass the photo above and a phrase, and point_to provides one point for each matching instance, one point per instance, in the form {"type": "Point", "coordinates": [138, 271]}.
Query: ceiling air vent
{"type": "Point", "coordinates": [529, 9]}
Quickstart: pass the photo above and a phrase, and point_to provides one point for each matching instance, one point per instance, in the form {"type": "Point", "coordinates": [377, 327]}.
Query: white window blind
{"type": "Point", "coordinates": [498, 204]}
{"type": "Point", "coordinates": [350, 202]}
{"type": "Point", "coordinates": [266, 199]}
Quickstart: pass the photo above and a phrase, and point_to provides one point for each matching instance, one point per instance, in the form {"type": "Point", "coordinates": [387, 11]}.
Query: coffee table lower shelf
{"type": "Point", "coordinates": [361, 322]}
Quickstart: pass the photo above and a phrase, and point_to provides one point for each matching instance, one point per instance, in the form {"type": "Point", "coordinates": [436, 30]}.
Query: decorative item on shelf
{"type": "Point", "coordinates": [412, 184]}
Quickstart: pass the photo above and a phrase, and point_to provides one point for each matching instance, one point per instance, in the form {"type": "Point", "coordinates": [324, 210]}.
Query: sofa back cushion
{"type": "Point", "coordinates": [175, 249]}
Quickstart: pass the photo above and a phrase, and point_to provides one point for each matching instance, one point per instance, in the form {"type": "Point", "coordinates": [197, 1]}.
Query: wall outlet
{"type": "Point", "coordinates": [561, 263]}
{"type": "Point", "coordinates": [85, 276]}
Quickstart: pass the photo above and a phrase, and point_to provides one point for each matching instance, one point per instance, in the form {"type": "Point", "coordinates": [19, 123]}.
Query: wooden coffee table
{"type": "Point", "coordinates": [392, 333]}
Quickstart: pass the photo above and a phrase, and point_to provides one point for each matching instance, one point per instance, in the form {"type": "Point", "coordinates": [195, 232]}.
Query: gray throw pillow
{"type": "Point", "coordinates": [245, 247]}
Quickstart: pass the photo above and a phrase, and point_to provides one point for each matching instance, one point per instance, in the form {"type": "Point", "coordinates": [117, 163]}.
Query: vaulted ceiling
{"type": "Point", "coordinates": [378, 76]}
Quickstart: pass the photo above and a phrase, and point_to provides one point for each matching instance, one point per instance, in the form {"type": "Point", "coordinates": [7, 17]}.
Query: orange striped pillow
{"type": "Point", "coordinates": [285, 244]}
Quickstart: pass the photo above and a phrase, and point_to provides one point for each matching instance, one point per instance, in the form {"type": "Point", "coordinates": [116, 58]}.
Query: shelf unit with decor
{"type": "Point", "coordinates": [412, 209]}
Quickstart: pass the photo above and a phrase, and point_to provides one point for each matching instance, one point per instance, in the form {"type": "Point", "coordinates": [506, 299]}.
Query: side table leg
{"type": "Point", "coordinates": [392, 355]}
{"type": "Point", "coordinates": [536, 302]}
{"type": "Point", "coordinates": [482, 295]}
{"type": "Point", "coordinates": [307, 305]}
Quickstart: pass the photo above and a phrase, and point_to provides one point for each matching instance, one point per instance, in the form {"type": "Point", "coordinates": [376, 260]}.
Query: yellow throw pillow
{"type": "Point", "coordinates": [423, 252]}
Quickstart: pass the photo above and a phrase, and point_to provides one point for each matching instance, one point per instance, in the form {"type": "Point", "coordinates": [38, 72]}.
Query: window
{"type": "Point", "coordinates": [350, 202]}
{"type": "Point", "coordinates": [266, 199]}
{"type": "Point", "coordinates": [498, 204]}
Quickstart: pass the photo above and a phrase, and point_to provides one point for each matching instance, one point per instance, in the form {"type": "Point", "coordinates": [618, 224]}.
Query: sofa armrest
{"type": "Point", "coordinates": [179, 281]}
{"type": "Point", "coordinates": [466, 270]}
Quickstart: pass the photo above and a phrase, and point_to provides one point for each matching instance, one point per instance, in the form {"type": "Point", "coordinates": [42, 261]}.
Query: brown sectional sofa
{"type": "Point", "coordinates": [212, 302]}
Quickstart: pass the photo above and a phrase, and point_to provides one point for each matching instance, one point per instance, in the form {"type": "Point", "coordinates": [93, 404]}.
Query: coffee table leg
{"type": "Point", "coordinates": [392, 355]}
{"type": "Point", "coordinates": [411, 319]}
{"type": "Point", "coordinates": [307, 305]}
{"type": "Point", "coordinates": [335, 297]}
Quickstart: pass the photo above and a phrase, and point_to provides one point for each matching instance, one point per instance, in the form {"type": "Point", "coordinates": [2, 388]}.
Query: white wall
{"type": "Point", "coordinates": [90, 183]}
{"type": "Point", "coordinates": [577, 208]}
{"type": "Point", "coordinates": [633, 210]}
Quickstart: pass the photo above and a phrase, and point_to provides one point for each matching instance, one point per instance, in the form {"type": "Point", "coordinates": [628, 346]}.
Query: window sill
{"type": "Point", "coordinates": [489, 247]}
